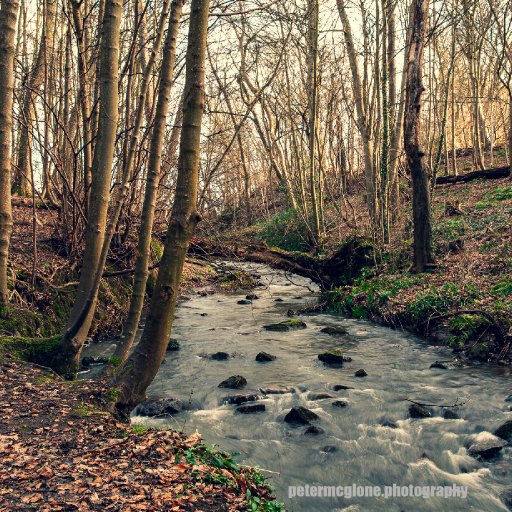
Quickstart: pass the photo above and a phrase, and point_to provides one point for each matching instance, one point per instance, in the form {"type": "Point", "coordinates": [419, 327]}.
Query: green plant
{"type": "Point", "coordinates": [500, 194]}
{"type": "Point", "coordinates": [504, 287]}
{"type": "Point", "coordinates": [284, 230]}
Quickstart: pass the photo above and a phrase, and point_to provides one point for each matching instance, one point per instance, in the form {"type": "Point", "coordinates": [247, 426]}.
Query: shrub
{"type": "Point", "coordinates": [285, 230]}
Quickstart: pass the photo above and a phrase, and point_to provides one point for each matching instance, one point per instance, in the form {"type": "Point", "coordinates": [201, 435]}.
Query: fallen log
{"type": "Point", "coordinates": [337, 270]}
{"type": "Point", "coordinates": [488, 174]}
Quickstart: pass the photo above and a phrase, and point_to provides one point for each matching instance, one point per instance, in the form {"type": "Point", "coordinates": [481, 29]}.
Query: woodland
{"type": "Point", "coordinates": [363, 145]}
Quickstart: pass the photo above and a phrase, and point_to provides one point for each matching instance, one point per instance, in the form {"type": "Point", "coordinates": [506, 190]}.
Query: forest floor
{"type": "Point", "coordinates": [62, 450]}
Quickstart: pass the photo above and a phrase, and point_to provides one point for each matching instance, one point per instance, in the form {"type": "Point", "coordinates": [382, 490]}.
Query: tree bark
{"type": "Point", "coordinates": [143, 364]}
{"type": "Point", "coordinates": [72, 342]}
{"type": "Point", "coordinates": [414, 89]}
{"type": "Point", "coordinates": [313, 21]}
{"type": "Point", "coordinates": [153, 179]}
{"type": "Point", "coordinates": [8, 17]}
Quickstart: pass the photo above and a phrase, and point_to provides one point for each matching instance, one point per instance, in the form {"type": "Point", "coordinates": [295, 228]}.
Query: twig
{"type": "Point", "coordinates": [456, 404]}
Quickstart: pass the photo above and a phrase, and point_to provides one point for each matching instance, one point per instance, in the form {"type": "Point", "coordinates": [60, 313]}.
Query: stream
{"type": "Point", "coordinates": [355, 447]}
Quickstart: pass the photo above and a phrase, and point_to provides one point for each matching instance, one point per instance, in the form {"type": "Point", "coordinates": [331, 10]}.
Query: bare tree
{"type": "Point", "coordinates": [141, 367]}
{"type": "Point", "coordinates": [414, 90]}
{"type": "Point", "coordinates": [8, 18]}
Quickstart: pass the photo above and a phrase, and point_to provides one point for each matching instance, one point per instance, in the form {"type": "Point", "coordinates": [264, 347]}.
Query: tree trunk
{"type": "Point", "coordinates": [8, 16]}
{"type": "Point", "coordinates": [78, 329]}
{"type": "Point", "coordinates": [153, 179]}
{"type": "Point", "coordinates": [22, 182]}
{"type": "Point", "coordinates": [72, 342]}
{"type": "Point", "coordinates": [414, 89]}
{"type": "Point", "coordinates": [141, 367]}
{"type": "Point", "coordinates": [362, 121]}
{"type": "Point", "coordinates": [313, 21]}
{"type": "Point", "coordinates": [510, 133]}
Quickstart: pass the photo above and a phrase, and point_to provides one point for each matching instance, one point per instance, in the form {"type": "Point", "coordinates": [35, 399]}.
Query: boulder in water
{"type": "Point", "coordinates": [251, 296]}
{"type": "Point", "coordinates": [92, 361]}
{"type": "Point", "coordinates": [244, 302]}
{"type": "Point", "coordinates": [508, 399]}
{"type": "Point", "coordinates": [505, 431]}
{"type": "Point", "coordinates": [319, 396]}
{"type": "Point", "coordinates": [264, 357]}
{"type": "Point", "coordinates": [334, 331]}
{"type": "Point", "coordinates": [250, 408]}
{"type": "Point", "coordinates": [220, 356]}
{"type": "Point", "coordinates": [360, 373]}
{"type": "Point", "coordinates": [233, 382]}
{"type": "Point", "coordinates": [160, 407]}
{"type": "Point", "coordinates": [287, 325]}
{"type": "Point", "coordinates": [506, 498]}
{"type": "Point", "coordinates": [487, 449]}
{"type": "Point", "coordinates": [386, 422]}
{"type": "Point", "coordinates": [173, 345]}
{"type": "Point", "coordinates": [313, 430]}
{"type": "Point", "coordinates": [300, 416]}
{"type": "Point", "coordinates": [334, 357]}
{"type": "Point", "coordinates": [450, 415]}
{"type": "Point", "coordinates": [439, 365]}
{"type": "Point", "coordinates": [339, 403]}
{"type": "Point", "coordinates": [330, 448]}
{"type": "Point", "coordinates": [419, 411]}
{"type": "Point", "coordinates": [276, 390]}
{"type": "Point", "coordinates": [340, 387]}
{"type": "Point", "coordinates": [240, 399]}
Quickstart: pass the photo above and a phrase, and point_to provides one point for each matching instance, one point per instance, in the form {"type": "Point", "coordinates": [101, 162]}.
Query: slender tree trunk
{"type": "Point", "coordinates": [153, 179]}
{"type": "Point", "coordinates": [83, 97]}
{"type": "Point", "coordinates": [8, 16]}
{"type": "Point", "coordinates": [313, 21]}
{"type": "Point", "coordinates": [72, 341]}
{"type": "Point", "coordinates": [362, 121]}
{"type": "Point", "coordinates": [22, 182]}
{"type": "Point", "coordinates": [77, 330]}
{"type": "Point", "coordinates": [414, 89]}
{"type": "Point", "coordinates": [141, 367]}
{"type": "Point", "coordinates": [510, 132]}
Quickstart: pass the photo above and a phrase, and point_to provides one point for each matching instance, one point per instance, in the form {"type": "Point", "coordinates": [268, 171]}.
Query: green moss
{"type": "Point", "coordinates": [115, 361]}
{"type": "Point", "coordinates": [83, 410]}
{"type": "Point", "coordinates": [111, 395]}
{"type": "Point", "coordinates": [19, 322]}
{"type": "Point", "coordinates": [287, 325]}
{"type": "Point", "coordinates": [140, 429]}
{"type": "Point", "coordinates": [284, 231]}
{"type": "Point", "coordinates": [36, 350]}
{"type": "Point", "coordinates": [500, 194]}
{"type": "Point", "coordinates": [157, 248]}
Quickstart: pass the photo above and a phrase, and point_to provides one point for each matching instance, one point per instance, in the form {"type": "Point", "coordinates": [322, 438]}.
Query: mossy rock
{"type": "Point", "coordinates": [333, 357]}
{"type": "Point", "coordinates": [287, 325]}
{"type": "Point", "coordinates": [334, 331]}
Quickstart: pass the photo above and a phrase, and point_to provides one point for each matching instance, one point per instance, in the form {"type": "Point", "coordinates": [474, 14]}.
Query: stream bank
{"type": "Point", "coordinates": [362, 429]}
{"type": "Point", "coordinates": [62, 450]}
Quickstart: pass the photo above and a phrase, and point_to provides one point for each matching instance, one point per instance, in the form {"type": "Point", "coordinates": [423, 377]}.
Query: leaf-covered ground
{"type": "Point", "coordinates": [473, 253]}
{"type": "Point", "coordinates": [61, 450]}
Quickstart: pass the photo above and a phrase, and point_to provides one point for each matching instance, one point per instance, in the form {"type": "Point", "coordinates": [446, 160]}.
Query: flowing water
{"type": "Point", "coordinates": [426, 452]}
